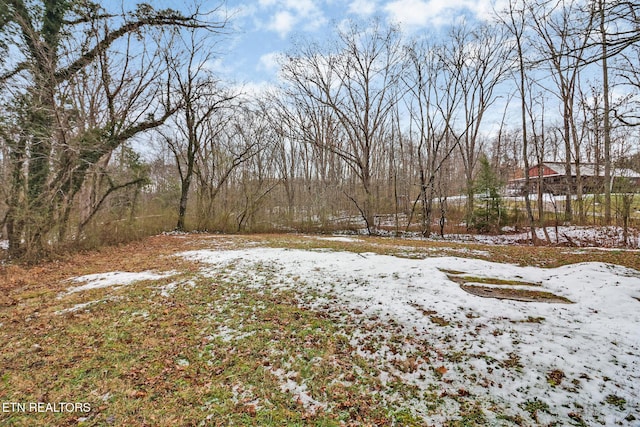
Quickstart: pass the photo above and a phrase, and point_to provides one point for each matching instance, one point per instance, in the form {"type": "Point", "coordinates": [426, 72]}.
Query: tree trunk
{"type": "Point", "coordinates": [606, 113]}
{"type": "Point", "coordinates": [568, 210]}
{"type": "Point", "coordinates": [184, 198]}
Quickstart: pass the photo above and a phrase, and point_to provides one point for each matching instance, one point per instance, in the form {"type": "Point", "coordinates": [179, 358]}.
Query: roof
{"type": "Point", "coordinates": [589, 169]}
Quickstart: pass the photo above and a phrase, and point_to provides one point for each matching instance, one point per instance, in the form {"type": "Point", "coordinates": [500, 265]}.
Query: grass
{"type": "Point", "coordinates": [228, 350]}
{"type": "Point", "coordinates": [590, 207]}
{"type": "Point", "coordinates": [489, 281]}
{"type": "Point", "coordinates": [515, 294]}
{"type": "Point", "coordinates": [533, 319]}
{"type": "Point", "coordinates": [534, 407]}
{"type": "Point", "coordinates": [502, 291]}
{"type": "Point", "coordinates": [218, 352]}
{"type": "Point", "coordinates": [555, 377]}
{"type": "Point", "coordinates": [141, 360]}
{"type": "Point", "coordinates": [614, 400]}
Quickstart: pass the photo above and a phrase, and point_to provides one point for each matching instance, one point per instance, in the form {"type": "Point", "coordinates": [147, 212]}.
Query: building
{"type": "Point", "coordinates": [554, 179]}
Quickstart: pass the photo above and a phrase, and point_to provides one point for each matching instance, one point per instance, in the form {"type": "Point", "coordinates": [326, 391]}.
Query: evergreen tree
{"type": "Point", "coordinates": [487, 213]}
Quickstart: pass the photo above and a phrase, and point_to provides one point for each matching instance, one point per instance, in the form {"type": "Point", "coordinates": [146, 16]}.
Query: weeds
{"type": "Point", "coordinates": [555, 377]}
{"type": "Point", "coordinates": [231, 348]}
{"type": "Point", "coordinates": [614, 400]}
{"type": "Point", "coordinates": [533, 407]}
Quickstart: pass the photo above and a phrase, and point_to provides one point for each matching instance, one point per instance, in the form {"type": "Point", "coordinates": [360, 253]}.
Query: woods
{"type": "Point", "coordinates": [112, 124]}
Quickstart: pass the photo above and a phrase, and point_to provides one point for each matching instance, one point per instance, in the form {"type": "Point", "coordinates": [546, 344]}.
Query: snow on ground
{"type": "Point", "coordinates": [577, 358]}
{"type": "Point", "coordinates": [4, 245]}
{"type": "Point", "coordinates": [336, 239]}
{"type": "Point", "coordinates": [299, 391]}
{"type": "Point", "coordinates": [85, 305]}
{"type": "Point", "coordinates": [566, 235]}
{"type": "Point", "coordinates": [228, 334]}
{"type": "Point", "coordinates": [169, 288]}
{"type": "Point", "coordinates": [78, 307]}
{"type": "Point", "coordinates": [115, 278]}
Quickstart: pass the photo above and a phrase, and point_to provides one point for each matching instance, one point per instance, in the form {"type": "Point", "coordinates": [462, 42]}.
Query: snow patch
{"type": "Point", "coordinates": [512, 346]}
{"type": "Point", "coordinates": [77, 307]}
{"type": "Point", "coordinates": [337, 239]}
{"type": "Point", "coordinates": [228, 334]}
{"type": "Point", "coordinates": [167, 290]}
{"type": "Point", "coordinates": [299, 391]}
{"type": "Point", "coordinates": [115, 278]}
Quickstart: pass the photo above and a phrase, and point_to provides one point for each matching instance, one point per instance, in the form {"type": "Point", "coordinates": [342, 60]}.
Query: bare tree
{"type": "Point", "coordinates": [287, 126]}
{"type": "Point", "coordinates": [433, 97]}
{"type": "Point", "coordinates": [355, 80]}
{"type": "Point", "coordinates": [562, 50]}
{"type": "Point", "coordinates": [222, 151]}
{"type": "Point", "coordinates": [200, 97]}
{"type": "Point", "coordinates": [615, 31]}
{"type": "Point", "coordinates": [539, 139]}
{"type": "Point", "coordinates": [515, 22]}
{"type": "Point", "coordinates": [51, 152]}
{"type": "Point", "coordinates": [478, 59]}
{"type": "Point", "coordinates": [258, 176]}
{"type": "Point", "coordinates": [627, 71]}
{"type": "Point", "coordinates": [607, 110]}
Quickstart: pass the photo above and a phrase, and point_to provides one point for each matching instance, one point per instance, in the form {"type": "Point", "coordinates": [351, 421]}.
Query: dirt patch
{"type": "Point", "coordinates": [448, 272]}
{"type": "Point", "coordinates": [555, 377]}
{"type": "Point", "coordinates": [440, 321]}
{"type": "Point", "coordinates": [423, 310]}
{"type": "Point", "coordinates": [503, 288]}
{"type": "Point", "coordinates": [489, 280]}
{"type": "Point", "coordinates": [515, 294]}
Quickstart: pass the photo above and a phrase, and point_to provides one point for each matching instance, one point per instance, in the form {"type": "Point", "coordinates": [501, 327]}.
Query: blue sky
{"type": "Point", "coordinates": [262, 29]}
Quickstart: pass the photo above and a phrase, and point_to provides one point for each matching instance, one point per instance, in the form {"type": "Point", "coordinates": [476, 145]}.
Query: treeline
{"type": "Point", "coordinates": [114, 126]}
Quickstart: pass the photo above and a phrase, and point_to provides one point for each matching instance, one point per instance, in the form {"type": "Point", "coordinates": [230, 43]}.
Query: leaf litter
{"type": "Point", "coordinates": [465, 360]}
{"type": "Point", "coordinates": [444, 355]}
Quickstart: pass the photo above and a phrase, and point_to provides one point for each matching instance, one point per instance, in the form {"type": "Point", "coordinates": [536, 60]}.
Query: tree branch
{"type": "Point", "coordinates": [156, 20]}
{"type": "Point", "coordinates": [111, 189]}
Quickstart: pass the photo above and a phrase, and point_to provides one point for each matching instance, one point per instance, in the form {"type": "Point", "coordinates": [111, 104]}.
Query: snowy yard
{"type": "Point", "coordinates": [579, 236]}
{"type": "Point", "coordinates": [326, 330]}
{"type": "Point", "coordinates": [563, 363]}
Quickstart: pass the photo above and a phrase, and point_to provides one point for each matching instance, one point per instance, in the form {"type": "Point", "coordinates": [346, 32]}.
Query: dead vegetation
{"type": "Point", "coordinates": [515, 294]}
{"type": "Point", "coordinates": [237, 354]}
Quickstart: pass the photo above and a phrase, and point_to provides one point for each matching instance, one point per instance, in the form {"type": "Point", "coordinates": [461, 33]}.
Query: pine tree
{"type": "Point", "coordinates": [487, 213]}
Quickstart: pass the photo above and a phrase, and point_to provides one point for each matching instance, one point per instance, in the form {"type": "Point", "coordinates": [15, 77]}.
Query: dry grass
{"type": "Point", "coordinates": [217, 352]}
{"type": "Point", "coordinates": [515, 294]}
{"type": "Point", "coordinates": [208, 354]}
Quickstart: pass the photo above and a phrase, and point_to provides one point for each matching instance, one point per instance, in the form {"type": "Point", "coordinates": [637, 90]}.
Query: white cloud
{"type": "Point", "coordinates": [415, 14]}
{"type": "Point", "coordinates": [362, 7]}
{"type": "Point", "coordinates": [302, 7]}
{"type": "Point", "coordinates": [290, 14]}
{"type": "Point", "coordinates": [240, 11]}
{"type": "Point", "coordinates": [217, 65]}
{"type": "Point", "coordinates": [282, 23]}
{"type": "Point", "coordinates": [255, 89]}
{"type": "Point", "coordinates": [269, 62]}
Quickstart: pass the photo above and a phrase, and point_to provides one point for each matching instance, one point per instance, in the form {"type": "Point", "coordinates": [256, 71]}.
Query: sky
{"type": "Point", "coordinates": [260, 30]}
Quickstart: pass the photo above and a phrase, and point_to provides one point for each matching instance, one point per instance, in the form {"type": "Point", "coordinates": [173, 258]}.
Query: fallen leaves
{"type": "Point", "coordinates": [343, 357]}
{"type": "Point", "coordinates": [555, 377]}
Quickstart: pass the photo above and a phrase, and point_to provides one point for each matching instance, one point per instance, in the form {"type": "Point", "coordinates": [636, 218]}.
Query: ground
{"type": "Point", "coordinates": [322, 330]}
